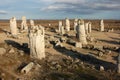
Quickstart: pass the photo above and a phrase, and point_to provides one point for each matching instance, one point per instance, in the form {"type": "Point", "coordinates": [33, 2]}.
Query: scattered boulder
{"type": "Point", "coordinates": [70, 41]}
{"type": "Point", "coordinates": [27, 68]}
{"type": "Point", "coordinates": [63, 39]}
{"type": "Point", "coordinates": [78, 45]}
{"type": "Point", "coordinates": [99, 48]}
{"type": "Point", "coordinates": [110, 30]}
{"type": "Point", "coordinates": [101, 68]}
{"type": "Point", "coordinates": [100, 54]}
{"type": "Point", "coordinates": [12, 50]}
{"type": "Point", "coordinates": [58, 43]}
{"type": "Point", "coordinates": [90, 39]}
{"type": "Point", "coordinates": [108, 52]}
{"type": "Point", "coordinates": [21, 52]}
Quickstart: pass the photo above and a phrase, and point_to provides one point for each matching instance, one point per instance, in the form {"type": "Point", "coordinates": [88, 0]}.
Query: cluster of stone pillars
{"type": "Point", "coordinates": [88, 28]}
{"type": "Point", "coordinates": [36, 36]}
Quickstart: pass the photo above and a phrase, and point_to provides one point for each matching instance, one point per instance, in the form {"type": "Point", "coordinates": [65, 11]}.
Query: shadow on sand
{"type": "Point", "coordinates": [23, 47]}
{"type": "Point", "coordinates": [87, 58]}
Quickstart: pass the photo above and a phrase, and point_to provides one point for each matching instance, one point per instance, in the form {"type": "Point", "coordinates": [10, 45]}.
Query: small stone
{"type": "Point", "coordinates": [63, 39]}
{"type": "Point", "coordinates": [11, 50]}
{"type": "Point", "coordinates": [101, 68]}
{"type": "Point", "coordinates": [108, 52]}
{"type": "Point", "coordinates": [59, 44]}
{"type": "Point", "coordinates": [27, 68]}
{"type": "Point", "coordinates": [76, 60]}
{"type": "Point", "coordinates": [2, 51]}
{"type": "Point", "coordinates": [100, 54]}
{"type": "Point", "coordinates": [81, 63]}
{"type": "Point", "coordinates": [78, 45]}
{"type": "Point", "coordinates": [21, 52]}
{"type": "Point", "coordinates": [98, 47]}
{"type": "Point", "coordinates": [58, 66]}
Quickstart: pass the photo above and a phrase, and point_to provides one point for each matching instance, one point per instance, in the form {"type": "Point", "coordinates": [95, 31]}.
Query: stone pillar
{"type": "Point", "coordinates": [32, 23]}
{"type": "Point", "coordinates": [86, 27]}
{"type": "Point", "coordinates": [89, 27]}
{"type": "Point", "coordinates": [37, 43]}
{"type": "Point", "coordinates": [81, 35]}
{"type": "Point", "coordinates": [62, 31]}
{"type": "Point", "coordinates": [75, 24]}
{"type": "Point", "coordinates": [24, 23]}
{"type": "Point", "coordinates": [101, 25]}
{"type": "Point", "coordinates": [13, 26]}
{"type": "Point", "coordinates": [118, 64]}
{"type": "Point", "coordinates": [67, 24]}
{"type": "Point", "coordinates": [60, 25]}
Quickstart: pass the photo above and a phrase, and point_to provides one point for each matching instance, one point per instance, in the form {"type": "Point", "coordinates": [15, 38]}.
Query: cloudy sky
{"type": "Point", "coordinates": [59, 9]}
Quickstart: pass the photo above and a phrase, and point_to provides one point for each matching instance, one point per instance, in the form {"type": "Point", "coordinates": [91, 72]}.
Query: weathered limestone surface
{"type": "Point", "coordinates": [67, 24]}
{"type": "Point", "coordinates": [59, 25]}
{"type": "Point", "coordinates": [37, 43]}
{"type": "Point", "coordinates": [101, 25]}
{"type": "Point", "coordinates": [86, 27]}
{"type": "Point", "coordinates": [27, 68]}
{"type": "Point", "coordinates": [24, 24]}
{"type": "Point", "coordinates": [78, 45]}
{"type": "Point", "coordinates": [62, 31]}
{"type": "Point", "coordinates": [75, 24]}
{"type": "Point", "coordinates": [89, 27]}
{"type": "Point", "coordinates": [13, 26]}
{"type": "Point", "coordinates": [32, 23]}
{"type": "Point", "coordinates": [81, 35]}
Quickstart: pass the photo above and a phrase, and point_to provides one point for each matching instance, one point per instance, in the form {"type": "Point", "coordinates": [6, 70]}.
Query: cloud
{"type": "Point", "coordinates": [3, 12]}
{"type": "Point", "coordinates": [82, 6]}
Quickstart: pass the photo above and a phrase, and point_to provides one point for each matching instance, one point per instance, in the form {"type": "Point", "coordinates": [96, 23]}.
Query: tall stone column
{"type": "Point", "coordinates": [86, 27]}
{"type": "Point", "coordinates": [62, 31]}
{"type": "Point", "coordinates": [67, 24]}
{"type": "Point", "coordinates": [89, 27]}
{"type": "Point", "coordinates": [59, 25]}
{"type": "Point", "coordinates": [24, 23]}
{"type": "Point", "coordinates": [37, 43]}
{"type": "Point", "coordinates": [13, 26]}
{"type": "Point", "coordinates": [32, 23]}
{"type": "Point", "coordinates": [75, 24]}
{"type": "Point", "coordinates": [81, 35]}
{"type": "Point", "coordinates": [101, 25]}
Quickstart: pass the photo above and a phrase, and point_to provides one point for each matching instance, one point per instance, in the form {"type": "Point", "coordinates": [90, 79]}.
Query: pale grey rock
{"type": "Point", "coordinates": [27, 68]}
{"type": "Point", "coordinates": [101, 25]}
{"type": "Point", "coordinates": [78, 44]}
{"type": "Point", "coordinates": [67, 24]}
{"type": "Point", "coordinates": [81, 35]}
{"type": "Point", "coordinates": [13, 26]}
{"type": "Point", "coordinates": [37, 42]}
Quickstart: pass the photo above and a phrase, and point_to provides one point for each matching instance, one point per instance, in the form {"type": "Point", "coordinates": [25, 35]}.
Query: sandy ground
{"type": "Point", "coordinates": [9, 63]}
